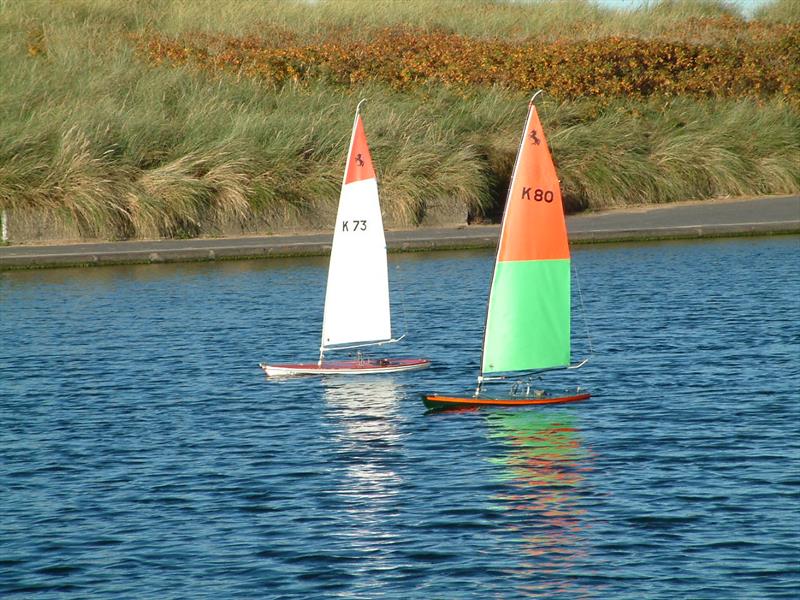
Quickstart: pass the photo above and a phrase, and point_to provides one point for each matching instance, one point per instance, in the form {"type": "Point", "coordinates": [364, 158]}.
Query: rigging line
{"type": "Point", "coordinates": [583, 311]}
{"type": "Point", "coordinates": [402, 287]}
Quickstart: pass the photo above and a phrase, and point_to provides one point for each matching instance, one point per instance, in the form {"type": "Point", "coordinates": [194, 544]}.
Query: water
{"type": "Point", "coordinates": [143, 454]}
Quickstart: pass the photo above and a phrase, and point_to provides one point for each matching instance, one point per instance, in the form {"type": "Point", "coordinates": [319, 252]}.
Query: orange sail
{"type": "Point", "coordinates": [534, 227]}
{"type": "Point", "coordinates": [359, 162]}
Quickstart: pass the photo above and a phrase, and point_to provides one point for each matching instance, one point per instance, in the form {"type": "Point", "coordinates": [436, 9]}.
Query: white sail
{"type": "Point", "coordinates": [357, 296]}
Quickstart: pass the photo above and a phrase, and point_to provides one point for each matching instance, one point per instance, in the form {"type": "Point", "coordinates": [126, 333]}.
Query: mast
{"type": "Point", "coordinates": [528, 312]}
{"type": "Point", "coordinates": [502, 231]}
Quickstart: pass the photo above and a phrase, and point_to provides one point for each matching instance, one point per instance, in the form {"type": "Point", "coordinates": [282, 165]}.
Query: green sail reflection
{"type": "Point", "coordinates": [543, 469]}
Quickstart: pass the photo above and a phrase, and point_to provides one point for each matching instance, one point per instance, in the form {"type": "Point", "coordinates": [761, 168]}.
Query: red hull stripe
{"type": "Point", "coordinates": [354, 364]}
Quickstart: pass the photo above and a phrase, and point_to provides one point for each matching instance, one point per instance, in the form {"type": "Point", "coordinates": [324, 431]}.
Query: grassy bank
{"type": "Point", "coordinates": [182, 118]}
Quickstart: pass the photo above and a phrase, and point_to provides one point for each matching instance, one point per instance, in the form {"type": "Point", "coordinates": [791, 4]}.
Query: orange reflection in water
{"type": "Point", "coordinates": [544, 466]}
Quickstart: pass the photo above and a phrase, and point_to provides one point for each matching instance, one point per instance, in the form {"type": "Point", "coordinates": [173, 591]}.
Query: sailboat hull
{"type": "Point", "coordinates": [346, 367]}
{"type": "Point", "coordinates": [439, 402]}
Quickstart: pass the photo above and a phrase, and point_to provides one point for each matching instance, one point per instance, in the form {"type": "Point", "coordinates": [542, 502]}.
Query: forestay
{"type": "Point", "coordinates": [357, 296]}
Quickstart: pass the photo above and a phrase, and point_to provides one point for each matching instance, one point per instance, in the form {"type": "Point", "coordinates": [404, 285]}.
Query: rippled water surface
{"type": "Point", "coordinates": [144, 454]}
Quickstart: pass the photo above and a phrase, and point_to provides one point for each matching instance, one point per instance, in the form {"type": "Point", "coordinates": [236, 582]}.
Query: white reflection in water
{"type": "Point", "coordinates": [363, 413]}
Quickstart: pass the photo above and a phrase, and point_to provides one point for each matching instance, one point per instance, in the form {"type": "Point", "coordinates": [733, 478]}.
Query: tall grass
{"type": "Point", "coordinates": [94, 138]}
{"type": "Point", "coordinates": [779, 11]}
{"type": "Point", "coordinates": [654, 153]}
{"type": "Point", "coordinates": [508, 19]}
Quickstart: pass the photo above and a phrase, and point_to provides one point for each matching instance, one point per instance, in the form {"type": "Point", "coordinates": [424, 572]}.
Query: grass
{"type": "Point", "coordinates": [779, 11]}
{"type": "Point", "coordinates": [98, 140]}
{"type": "Point", "coordinates": [548, 19]}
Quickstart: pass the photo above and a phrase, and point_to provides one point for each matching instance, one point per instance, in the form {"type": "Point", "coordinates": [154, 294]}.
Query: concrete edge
{"type": "Point", "coordinates": [450, 242]}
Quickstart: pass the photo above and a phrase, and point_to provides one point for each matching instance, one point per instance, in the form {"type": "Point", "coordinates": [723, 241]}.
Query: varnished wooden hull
{"type": "Point", "coordinates": [442, 402]}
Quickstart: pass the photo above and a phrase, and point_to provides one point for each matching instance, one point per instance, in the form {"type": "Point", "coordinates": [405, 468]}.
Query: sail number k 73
{"type": "Point", "coordinates": [355, 225]}
{"type": "Point", "coordinates": [538, 194]}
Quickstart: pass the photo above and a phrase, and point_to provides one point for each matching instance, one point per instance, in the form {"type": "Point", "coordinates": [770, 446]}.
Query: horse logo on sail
{"type": "Point", "coordinates": [359, 160]}
{"type": "Point", "coordinates": [535, 139]}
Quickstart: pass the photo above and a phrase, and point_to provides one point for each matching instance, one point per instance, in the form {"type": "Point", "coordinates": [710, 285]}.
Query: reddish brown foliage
{"type": "Point", "coordinates": [763, 63]}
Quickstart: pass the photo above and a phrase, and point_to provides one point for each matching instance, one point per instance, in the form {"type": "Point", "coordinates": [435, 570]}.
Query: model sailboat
{"type": "Point", "coordinates": [527, 327]}
{"type": "Point", "coordinates": [357, 309]}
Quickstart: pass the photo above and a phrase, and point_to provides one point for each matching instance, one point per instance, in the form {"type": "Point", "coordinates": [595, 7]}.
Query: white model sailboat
{"type": "Point", "coordinates": [357, 308]}
{"type": "Point", "coordinates": [527, 328]}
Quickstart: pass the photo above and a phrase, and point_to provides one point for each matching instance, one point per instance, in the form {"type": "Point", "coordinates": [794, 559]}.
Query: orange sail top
{"type": "Point", "coordinates": [533, 224]}
{"type": "Point", "coordinates": [359, 162]}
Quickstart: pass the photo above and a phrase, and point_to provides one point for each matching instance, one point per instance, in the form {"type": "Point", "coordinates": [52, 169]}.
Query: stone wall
{"type": "Point", "coordinates": [37, 226]}
{"type": "Point", "coordinates": [32, 226]}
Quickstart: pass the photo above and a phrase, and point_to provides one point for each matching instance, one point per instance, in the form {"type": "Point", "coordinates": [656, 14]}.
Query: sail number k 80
{"type": "Point", "coordinates": [354, 225]}
{"type": "Point", "coordinates": [538, 194]}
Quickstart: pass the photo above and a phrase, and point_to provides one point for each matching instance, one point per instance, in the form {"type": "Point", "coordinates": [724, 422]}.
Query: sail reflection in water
{"type": "Point", "coordinates": [366, 443]}
{"type": "Point", "coordinates": [543, 470]}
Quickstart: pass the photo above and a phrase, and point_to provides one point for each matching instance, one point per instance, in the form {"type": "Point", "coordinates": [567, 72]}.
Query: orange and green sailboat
{"type": "Point", "coordinates": [528, 316]}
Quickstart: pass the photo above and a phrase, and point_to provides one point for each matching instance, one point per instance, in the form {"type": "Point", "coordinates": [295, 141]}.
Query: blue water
{"type": "Point", "coordinates": [143, 453]}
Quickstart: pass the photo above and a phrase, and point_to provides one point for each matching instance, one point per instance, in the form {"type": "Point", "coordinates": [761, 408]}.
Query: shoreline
{"type": "Point", "coordinates": [775, 215]}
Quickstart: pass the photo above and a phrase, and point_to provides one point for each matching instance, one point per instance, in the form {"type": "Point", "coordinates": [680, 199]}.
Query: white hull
{"type": "Point", "coordinates": [344, 368]}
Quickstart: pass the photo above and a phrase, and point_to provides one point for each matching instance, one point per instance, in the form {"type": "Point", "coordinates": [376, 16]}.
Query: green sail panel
{"type": "Point", "coordinates": [528, 322]}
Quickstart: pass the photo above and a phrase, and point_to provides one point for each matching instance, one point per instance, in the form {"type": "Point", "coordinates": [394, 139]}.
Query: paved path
{"type": "Point", "coordinates": [759, 216]}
